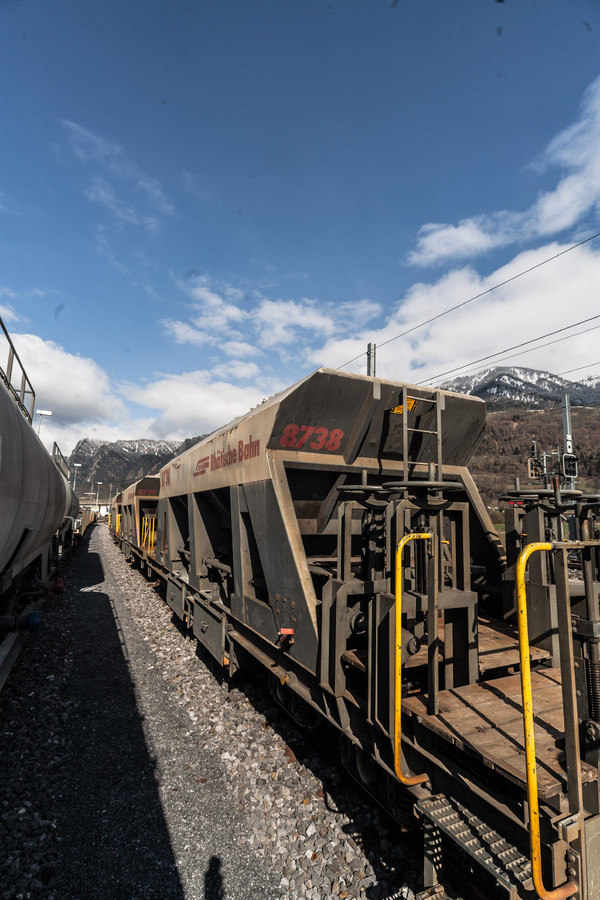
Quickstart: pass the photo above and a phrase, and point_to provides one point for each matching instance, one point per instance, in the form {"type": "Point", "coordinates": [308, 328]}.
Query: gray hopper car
{"type": "Point", "coordinates": [334, 537]}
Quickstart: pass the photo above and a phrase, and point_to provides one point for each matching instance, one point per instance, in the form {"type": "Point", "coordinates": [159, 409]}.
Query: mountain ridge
{"type": "Point", "coordinates": [112, 465]}
{"type": "Point", "coordinates": [507, 386]}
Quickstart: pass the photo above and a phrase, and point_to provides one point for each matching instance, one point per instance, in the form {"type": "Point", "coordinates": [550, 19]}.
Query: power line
{"type": "Point", "coordinates": [477, 296]}
{"type": "Point", "coordinates": [589, 366]}
{"type": "Point", "coordinates": [547, 344]}
{"type": "Point", "coordinates": [517, 346]}
{"type": "Point", "coordinates": [532, 349]}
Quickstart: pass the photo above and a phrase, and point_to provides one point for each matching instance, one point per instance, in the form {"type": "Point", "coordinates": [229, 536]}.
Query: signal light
{"type": "Point", "coordinates": [534, 467]}
{"type": "Point", "coordinates": [569, 465]}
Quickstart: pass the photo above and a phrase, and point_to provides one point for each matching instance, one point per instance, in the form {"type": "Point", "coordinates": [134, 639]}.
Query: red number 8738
{"type": "Point", "coordinates": [298, 435]}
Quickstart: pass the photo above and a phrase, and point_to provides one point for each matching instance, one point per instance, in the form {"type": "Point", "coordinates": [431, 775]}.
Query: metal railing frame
{"type": "Point", "coordinates": [405, 779]}
{"type": "Point", "coordinates": [571, 725]}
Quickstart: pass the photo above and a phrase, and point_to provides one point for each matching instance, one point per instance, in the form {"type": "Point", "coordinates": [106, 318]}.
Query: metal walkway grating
{"type": "Point", "coordinates": [501, 859]}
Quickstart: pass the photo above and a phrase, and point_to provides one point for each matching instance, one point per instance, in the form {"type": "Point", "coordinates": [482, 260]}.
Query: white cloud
{"type": "Point", "coordinates": [247, 325]}
{"type": "Point", "coordinates": [89, 147]}
{"type": "Point", "coordinates": [575, 152]}
{"type": "Point", "coordinates": [277, 321]}
{"type": "Point", "coordinates": [148, 289]}
{"type": "Point", "coordinates": [192, 403]}
{"type": "Point", "coordinates": [102, 247]}
{"type": "Point", "coordinates": [470, 237]}
{"type": "Point", "coordinates": [67, 436]}
{"type": "Point", "coordinates": [240, 349]}
{"type": "Point", "coordinates": [236, 370]}
{"type": "Point", "coordinates": [183, 333]}
{"type": "Point", "coordinates": [194, 186]}
{"type": "Point", "coordinates": [359, 311]}
{"type": "Point", "coordinates": [216, 310]}
{"type": "Point", "coordinates": [75, 388]}
{"type": "Point", "coordinates": [550, 297]}
{"type": "Point", "coordinates": [100, 191]}
{"type": "Point", "coordinates": [7, 313]}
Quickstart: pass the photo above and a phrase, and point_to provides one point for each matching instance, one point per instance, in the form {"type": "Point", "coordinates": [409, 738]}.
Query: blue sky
{"type": "Point", "coordinates": [201, 202]}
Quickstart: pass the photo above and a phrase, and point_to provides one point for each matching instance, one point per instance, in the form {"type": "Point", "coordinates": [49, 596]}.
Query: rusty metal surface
{"type": "Point", "coordinates": [486, 720]}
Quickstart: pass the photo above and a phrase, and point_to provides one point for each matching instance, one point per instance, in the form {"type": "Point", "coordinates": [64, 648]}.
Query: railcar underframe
{"type": "Point", "coordinates": [295, 571]}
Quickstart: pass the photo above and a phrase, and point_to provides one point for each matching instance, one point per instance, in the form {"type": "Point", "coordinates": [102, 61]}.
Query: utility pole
{"type": "Point", "coordinates": [544, 465]}
{"type": "Point", "coordinates": [569, 459]}
{"type": "Point", "coordinates": [371, 352]}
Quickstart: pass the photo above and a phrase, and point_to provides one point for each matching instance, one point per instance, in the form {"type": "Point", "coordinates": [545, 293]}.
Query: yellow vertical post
{"type": "Point", "coordinates": [569, 887]}
{"type": "Point", "coordinates": [405, 779]}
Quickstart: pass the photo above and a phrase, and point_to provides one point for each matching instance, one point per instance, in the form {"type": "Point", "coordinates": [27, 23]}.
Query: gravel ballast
{"type": "Point", "coordinates": [130, 769]}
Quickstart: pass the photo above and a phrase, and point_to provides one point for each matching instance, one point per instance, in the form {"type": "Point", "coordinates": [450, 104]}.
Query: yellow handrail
{"type": "Point", "coordinates": [118, 527]}
{"type": "Point", "coordinates": [569, 887]}
{"type": "Point", "coordinates": [405, 779]}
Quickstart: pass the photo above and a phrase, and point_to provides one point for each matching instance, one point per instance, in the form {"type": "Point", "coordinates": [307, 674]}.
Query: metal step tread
{"type": "Point", "coordinates": [493, 852]}
{"type": "Point", "coordinates": [435, 893]}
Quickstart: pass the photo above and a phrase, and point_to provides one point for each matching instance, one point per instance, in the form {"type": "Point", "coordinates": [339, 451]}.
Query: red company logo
{"type": "Point", "coordinates": [202, 466]}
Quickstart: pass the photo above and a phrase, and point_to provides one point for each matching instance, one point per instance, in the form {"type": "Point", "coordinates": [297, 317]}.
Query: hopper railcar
{"type": "Point", "coordinates": [335, 537]}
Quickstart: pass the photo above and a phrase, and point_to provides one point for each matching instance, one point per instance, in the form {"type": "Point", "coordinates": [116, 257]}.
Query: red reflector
{"type": "Point", "coordinates": [286, 631]}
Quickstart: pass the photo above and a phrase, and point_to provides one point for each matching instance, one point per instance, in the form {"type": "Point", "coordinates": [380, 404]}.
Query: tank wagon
{"type": "Point", "coordinates": [37, 502]}
{"type": "Point", "coordinates": [334, 538]}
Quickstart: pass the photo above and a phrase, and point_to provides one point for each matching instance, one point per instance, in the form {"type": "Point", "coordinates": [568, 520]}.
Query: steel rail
{"type": "Point", "coordinates": [405, 779]}
{"type": "Point", "coordinates": [569, 887]}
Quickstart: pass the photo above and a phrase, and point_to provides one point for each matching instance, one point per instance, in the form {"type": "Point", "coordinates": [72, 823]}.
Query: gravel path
{"type": "Point", "coordinates": [129, 770]}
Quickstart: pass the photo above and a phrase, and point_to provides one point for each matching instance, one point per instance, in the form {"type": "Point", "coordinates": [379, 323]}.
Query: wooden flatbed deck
{"type": "Point", "coordinates": [498, 648]}
{"type": "Point", "coordinates": [485, 720]}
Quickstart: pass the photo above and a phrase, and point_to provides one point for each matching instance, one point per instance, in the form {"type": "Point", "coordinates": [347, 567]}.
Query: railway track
{"type": "Point", "coordinates": [182, 788]}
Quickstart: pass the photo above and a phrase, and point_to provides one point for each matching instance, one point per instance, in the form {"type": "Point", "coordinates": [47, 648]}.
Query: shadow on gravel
{"type": "Point", "coordinates": [213, 880]}
{"type": "Point", "coordinates": [114, 843]}
{"type": "Point", "coordinates": [396, 856]}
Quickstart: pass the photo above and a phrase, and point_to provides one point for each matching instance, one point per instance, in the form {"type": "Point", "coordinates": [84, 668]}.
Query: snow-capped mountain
{"type": "Point", "coordinates": [592, 381]}
{"type": "Point", "coordinates": [117, 462]}
{"type": "Point", "coordinates": [503, 386]}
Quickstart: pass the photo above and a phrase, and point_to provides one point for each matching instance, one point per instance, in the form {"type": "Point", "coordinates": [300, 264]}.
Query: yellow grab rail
{"type": "Point", "coordinates": [148, 533]}
{"type": "Point", "coordinates": [405, 779]}
{"type": "Point", "coordinates": [569, 887]}
{"type": "Point", "coordinates": [118, 526]}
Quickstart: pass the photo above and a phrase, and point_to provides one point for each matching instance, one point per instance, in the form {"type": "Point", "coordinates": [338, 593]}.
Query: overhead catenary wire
{"type": "Point", "coordinates": [578, 368]}
{"type": "Point", "coordinates": [540, 337]}
{"type": "Point", "coordinates": [476, 297]}
{"type": "Point", "coordinates": [473, 371]}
